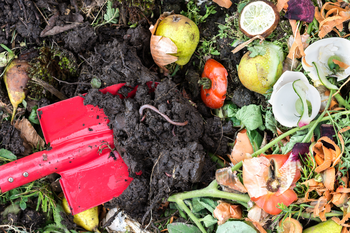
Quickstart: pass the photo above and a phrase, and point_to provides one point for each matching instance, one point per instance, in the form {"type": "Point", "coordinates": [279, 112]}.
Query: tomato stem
{"type": "Point", "coordinates": [205, 83]}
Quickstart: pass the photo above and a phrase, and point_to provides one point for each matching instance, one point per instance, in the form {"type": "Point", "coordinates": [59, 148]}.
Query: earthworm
{"type": "Point", "coordinates": [163, 115]}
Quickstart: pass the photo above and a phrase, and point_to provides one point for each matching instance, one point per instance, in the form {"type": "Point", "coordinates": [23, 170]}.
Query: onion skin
{"type": "Point", "coordinates": [268, 31]}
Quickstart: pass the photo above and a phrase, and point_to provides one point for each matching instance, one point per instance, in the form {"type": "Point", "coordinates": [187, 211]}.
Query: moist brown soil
{"type": "Point", "coordinates": [162, 158]}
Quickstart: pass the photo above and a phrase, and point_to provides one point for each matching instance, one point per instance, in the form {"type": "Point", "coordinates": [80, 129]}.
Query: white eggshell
{"type": "Point", "coordinates": [284, 104]}
{"type": "Point", "coordinates": [287, 77]}
{"type": "Point", "coordinates": [315, 50]}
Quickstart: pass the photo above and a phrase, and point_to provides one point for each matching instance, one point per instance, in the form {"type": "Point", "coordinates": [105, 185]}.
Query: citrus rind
{"type": "Point", "coordinates": [258, 18]}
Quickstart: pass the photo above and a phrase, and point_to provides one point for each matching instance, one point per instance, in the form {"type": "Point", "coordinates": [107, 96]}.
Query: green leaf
{"type": "Point", "coordinates": [215, 52]}
{"type": "Point", "coordinates": [180, 227]}
{"type": "Point", "coordinates": [250, 116]}
{"type": "Point", "coordinates": [22, 204]}
{"type": "Point", "coordinates": [111, 13]}
{"type": "Point", "coordinates": [197, 205]}
{"type": "Point", "coordinates": [236, 227]}
{"type": "Point", "coordinates": [257, 50]}
{"type": "Point", "coordinates": [95, 83]}
{"type": "Point", "coordinates": [270, 122]}
{"type": "Point", "coordinates": [7, 154]}
{"type": "Point", "coordinates": [33, 117]}
{"type": "Point", "coordinates": [297, 137]}
{"type": "Point", "coordinates": [241, 6]}
{"type": "Point", "coordinates": [255, 139]}
{"type": "Point", "coordinates": [209, 220]}
{"type": "Point", "coordinates": [24, 103]}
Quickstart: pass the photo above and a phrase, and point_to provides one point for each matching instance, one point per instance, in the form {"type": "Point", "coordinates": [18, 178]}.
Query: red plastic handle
{"type": "Point", "coordinates": [68, 155]}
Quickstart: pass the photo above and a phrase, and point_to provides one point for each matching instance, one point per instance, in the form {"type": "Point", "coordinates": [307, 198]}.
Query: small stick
{"type": "Point", "coordinates": [50, 88]}
{"type": "Point", "coordinates": [61, 81]}
{"type": "Point", "coordinates": [163, 115]}
{"type": "Point", "coordinates": [41, 13]}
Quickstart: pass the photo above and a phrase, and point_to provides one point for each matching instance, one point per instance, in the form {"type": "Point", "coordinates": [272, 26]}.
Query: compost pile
{"type": "Point", "coordinates": [229, 114]}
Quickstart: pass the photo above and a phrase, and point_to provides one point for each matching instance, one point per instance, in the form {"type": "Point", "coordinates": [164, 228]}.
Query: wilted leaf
{"type": "Point", "coordinates": [250, 116]}
{"type": "Point", "coordinates": [28, 133]}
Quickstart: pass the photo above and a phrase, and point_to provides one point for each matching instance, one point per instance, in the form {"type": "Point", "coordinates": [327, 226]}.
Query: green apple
{"type": "Point", "coordinates": [261, 67]}
{"type": "Point", "coordinates": [183, 32]}
{"type": "Point", "coordinates": [328, 226]}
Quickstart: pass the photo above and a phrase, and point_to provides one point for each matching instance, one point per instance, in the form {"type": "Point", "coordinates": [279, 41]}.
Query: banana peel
{"type": "Point", "coordinates": [16, 79]}
{"type": "Point", "coordinates": [87, 219]}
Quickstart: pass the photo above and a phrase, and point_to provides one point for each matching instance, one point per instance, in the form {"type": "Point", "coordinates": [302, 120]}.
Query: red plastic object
{"type": "Point", "coordinates": [77, 133]}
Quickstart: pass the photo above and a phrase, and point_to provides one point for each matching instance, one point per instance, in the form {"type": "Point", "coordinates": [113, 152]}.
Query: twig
{"type": "Point", "coordinates": [41, 13]}
{"type": "Point", "coordinates": [98, 13]}
{"type": "Point", "coordinates": [81, 56]}
{"type": "Point", "coordinates": [61, 81]}
{"type": "Point", "coordinates": [50, 88]}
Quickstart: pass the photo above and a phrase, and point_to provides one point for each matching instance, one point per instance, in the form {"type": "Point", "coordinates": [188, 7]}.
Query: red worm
{"type": "Point", "coordinates": [163, 115]}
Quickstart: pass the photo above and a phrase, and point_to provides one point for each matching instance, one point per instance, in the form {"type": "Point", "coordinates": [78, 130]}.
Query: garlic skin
{"type": "Point", "coordinates": [283, 99]}
{"type": "Point", "coordinates": [320, 51]}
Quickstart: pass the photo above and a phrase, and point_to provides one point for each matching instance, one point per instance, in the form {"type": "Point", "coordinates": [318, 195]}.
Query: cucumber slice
{"type": "Point", "coordinates": [324, 79]}
{"type": "Point", "coordinates": [300, 89]}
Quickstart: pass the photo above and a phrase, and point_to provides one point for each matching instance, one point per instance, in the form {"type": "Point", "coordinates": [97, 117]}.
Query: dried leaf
{"type": "Point", "coordinates": [223, 3]}
{"type": "Point", "coordinates": [51, 29]}
{"type": "Point", "coordinates": [28, 133]}
{"type": "Point", "coordinates": [257, 225]}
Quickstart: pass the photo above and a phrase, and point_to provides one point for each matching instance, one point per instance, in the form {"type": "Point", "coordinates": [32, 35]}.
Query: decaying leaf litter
{"type": "Point", "coordinates": [76, 47]}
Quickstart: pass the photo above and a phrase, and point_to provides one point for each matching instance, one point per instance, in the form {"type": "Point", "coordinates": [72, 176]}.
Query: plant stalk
{"type": "Point", "coordinates": [341, 101]}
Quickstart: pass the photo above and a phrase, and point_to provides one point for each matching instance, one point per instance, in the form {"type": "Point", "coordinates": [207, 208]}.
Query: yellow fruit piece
{"type": "Point", "coordinates": [328, 226]}
{"type": "Point", "coordinates": [16, 79]}
{"type": "Point", "coordinates": [183, 32]}
{"type": "Point", "coordinates": [261, 72]}
{"type": "Point", "coordinates": [87, 219]}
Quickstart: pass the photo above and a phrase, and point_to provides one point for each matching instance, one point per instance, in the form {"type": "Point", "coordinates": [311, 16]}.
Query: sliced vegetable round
{"type": "Point", "coordinates": [258, 18]}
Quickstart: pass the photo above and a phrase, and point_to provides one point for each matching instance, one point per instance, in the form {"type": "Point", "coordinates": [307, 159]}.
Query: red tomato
{"type": "Point", "coordinates": [214, 97]}
{"type": "Point", "coordinates": [269, 201]}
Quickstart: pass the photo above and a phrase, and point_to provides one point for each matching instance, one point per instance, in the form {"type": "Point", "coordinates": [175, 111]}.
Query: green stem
{"type": "Point", "coordinates": [308, 136]}
{"type": "Point", "coordinates": [341, 101]}
{"type": "Point", "coordinates": [217, 160]}
{"type": "Point", "coordinates": [237, 166]}
{"type": "Point", "coordinates": [310, 215]}
{"type": "Point", "coordinates": [210, 191]}
{"type": "Point", "coordinates": [184, 207]}
{"type": "Point", "coordinates": [279, 138]}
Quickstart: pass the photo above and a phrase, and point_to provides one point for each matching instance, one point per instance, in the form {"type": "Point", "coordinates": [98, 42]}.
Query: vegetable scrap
{"type": "Point", "coordinates": [302, 10]}
{"type": "Point", "coordinates": [333, 19]}
{"type": "Point", "coordinates": [214, 84]}
{"type": "Point", "coordinates": [224, 211]}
